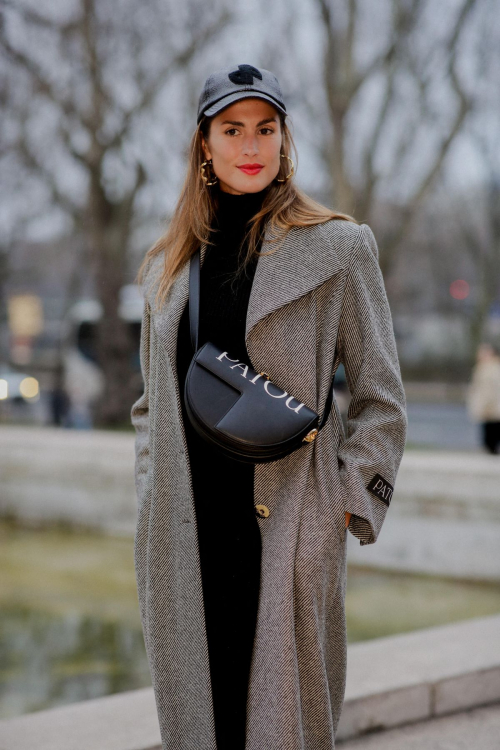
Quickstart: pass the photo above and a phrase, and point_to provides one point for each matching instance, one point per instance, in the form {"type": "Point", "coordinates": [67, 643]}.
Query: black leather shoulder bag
{"type": "Point", "coordinates": [241, 412]}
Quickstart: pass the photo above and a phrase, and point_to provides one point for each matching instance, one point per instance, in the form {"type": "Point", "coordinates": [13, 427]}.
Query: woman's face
{"type": "Point", "coordinates": [245, 133]}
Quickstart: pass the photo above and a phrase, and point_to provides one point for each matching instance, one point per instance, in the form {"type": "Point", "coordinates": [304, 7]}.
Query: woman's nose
{"type": "Point", "coordinates": [250, 145]}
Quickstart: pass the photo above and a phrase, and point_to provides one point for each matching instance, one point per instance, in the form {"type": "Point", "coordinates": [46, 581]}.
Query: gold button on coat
{"type": "Point", "coordinates": [262, 510]}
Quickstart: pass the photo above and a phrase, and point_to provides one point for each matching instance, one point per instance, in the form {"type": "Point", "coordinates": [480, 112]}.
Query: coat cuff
{"type": "Point", "coordinates": [361, 529]}
{"type": "Point", "coordinates": [368, 500]}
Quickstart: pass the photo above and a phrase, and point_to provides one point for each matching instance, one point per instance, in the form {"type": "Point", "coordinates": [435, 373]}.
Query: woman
{"type": "Point", "coordinates": [241, 569]}
{"type": "Point", "coordinates": [483, 396]}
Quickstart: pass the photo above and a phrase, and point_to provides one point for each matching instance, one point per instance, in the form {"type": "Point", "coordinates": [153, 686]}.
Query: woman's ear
{"type": "Point", "coordinates": [205, 148]}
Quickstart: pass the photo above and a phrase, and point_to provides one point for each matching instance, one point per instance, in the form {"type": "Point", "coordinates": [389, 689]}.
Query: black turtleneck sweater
{"type": "Point", "coordinates": [228, 531]}
{"type": "Point", "coordinates": [223, 298]}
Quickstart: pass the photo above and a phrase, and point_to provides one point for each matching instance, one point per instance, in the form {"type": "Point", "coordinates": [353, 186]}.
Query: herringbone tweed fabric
{"type": "Point", "coordinates": [318, 300]}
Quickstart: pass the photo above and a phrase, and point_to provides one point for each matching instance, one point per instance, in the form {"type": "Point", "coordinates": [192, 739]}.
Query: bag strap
{"type": "Point", "coordinates": [194, 298]}
{"type": "Point", "coordinates": [194, 320]}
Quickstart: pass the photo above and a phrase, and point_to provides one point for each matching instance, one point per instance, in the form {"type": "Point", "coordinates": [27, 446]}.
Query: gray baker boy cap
{"type": "Point", "coordinates": [230, 84]}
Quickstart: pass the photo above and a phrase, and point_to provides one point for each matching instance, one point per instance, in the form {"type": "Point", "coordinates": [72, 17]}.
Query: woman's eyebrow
{"type": "Point", "coordinates": [242, 124]}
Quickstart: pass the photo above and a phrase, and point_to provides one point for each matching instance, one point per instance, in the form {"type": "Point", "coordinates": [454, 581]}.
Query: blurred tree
{"type": "Point", "coordinates": [416, 53]}
{"type": "Point", "coordinates": [93, 73]}
{"type": "Point", "coordinates": [484, 250]}
{"type": "Point", "coordinates": [464, 238]}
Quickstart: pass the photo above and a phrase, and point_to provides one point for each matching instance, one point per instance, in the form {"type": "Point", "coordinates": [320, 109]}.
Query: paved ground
{"type": "Point", "coordinates": [478, 729]}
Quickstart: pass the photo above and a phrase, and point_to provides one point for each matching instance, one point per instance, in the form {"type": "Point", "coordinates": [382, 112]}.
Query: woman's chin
{"type": "Point", "coordinates": [245, 184]}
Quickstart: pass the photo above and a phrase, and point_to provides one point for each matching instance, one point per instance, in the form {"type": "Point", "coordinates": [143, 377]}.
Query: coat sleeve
{"type": "Point", "coordinates": [370, 454]}
{"type": "Point", "coordinates": [140, 409]}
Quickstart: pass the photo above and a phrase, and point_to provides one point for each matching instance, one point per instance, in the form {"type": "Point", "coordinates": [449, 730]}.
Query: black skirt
{"type": "Point", "coordinates": [230, 556]}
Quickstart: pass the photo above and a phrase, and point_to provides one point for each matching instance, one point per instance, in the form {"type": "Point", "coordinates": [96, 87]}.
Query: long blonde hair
{"type": "Point", "coordinates": [285, 205]}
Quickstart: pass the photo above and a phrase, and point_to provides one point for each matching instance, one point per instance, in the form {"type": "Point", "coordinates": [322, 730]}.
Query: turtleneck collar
{"type": "Point", "coordinates": [238, 209]}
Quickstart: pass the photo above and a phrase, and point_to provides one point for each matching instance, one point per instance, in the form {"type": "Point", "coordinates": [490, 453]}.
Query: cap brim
{"type": "Point", "coordinates": [231, 98]}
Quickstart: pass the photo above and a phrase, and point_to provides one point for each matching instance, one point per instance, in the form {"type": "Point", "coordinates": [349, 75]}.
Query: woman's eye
{"type": "Point", "coordinates": [230, 131]}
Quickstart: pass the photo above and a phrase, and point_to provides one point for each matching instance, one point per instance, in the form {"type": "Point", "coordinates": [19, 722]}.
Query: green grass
{"type": "Point", "coordinates": [70, 626]}
{"type": "Point", "coordinates": [386, 603]}
{"type": "Point", "coordinates": [59, 571]}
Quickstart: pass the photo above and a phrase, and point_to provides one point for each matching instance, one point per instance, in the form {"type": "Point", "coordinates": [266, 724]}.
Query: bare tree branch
{"type": "Point", "coordinates": [177, 62]}
{"type": "Point", "coordinates": [465, 104]}
{"type": "Point", "coordinates": [95, 127]}
{"type": "Point", "coordinates": [35, 163]}
{"type": "Point", "coordinates": [40, 21]}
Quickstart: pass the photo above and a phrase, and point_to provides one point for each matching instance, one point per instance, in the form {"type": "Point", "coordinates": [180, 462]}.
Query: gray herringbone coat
{"type": "Point", "coordinates": [318, 300]}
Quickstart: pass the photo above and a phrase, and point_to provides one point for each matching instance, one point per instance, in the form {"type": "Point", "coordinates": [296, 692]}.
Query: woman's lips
{"type": "Point", "coordinates": [251, 170]}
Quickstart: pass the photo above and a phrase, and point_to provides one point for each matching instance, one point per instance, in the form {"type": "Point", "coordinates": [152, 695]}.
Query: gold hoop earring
{"type": "Point", "coordinates": [287, 177]}
{"type": "Point", "coordinates": [202, 172]}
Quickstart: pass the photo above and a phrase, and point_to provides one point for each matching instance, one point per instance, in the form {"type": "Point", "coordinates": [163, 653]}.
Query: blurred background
{"type": "Point", "coordinates": [395, 110]}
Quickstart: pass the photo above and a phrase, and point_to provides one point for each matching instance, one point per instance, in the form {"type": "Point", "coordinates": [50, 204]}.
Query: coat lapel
{"type": "Point", "coordinates": [305, 259]}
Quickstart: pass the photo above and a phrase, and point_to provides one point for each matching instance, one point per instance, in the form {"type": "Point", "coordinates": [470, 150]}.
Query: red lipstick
{"type": "Point", "coordinates": [251, 168]}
